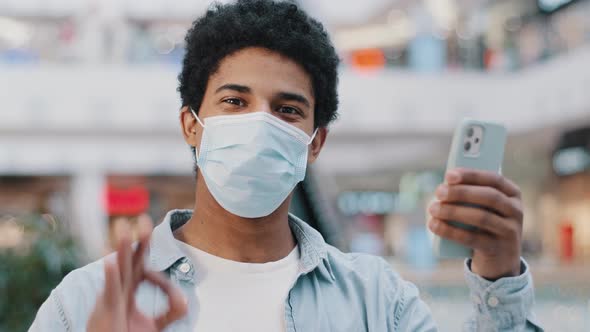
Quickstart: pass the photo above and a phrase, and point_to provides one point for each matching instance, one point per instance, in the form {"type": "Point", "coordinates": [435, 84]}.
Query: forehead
{"type": "Point", "coordinates": [263, 70]}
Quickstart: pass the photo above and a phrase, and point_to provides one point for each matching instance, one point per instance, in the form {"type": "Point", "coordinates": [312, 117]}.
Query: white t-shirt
{"type": "Point", "coordinates": [234, 296]}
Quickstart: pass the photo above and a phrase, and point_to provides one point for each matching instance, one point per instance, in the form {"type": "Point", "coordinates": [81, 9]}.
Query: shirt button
{"type": "Point", "coordinates": [493, 301]}
{"type": "Point", "coordinates": [184, 267]}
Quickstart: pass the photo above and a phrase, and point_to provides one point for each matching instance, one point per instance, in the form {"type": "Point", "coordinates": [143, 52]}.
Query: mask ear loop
{"type": "Point", "coordinates": [196, 117]}
{"type": "Point", "coordinates": [202, 125]}
{"type": "Point", "coordinates": [313, 136]}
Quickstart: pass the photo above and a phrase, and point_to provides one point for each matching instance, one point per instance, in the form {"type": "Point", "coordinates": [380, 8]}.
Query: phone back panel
{"type": "Point", "coordinates": [489, 158]}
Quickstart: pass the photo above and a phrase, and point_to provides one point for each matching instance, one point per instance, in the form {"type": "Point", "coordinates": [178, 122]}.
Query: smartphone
{"type": "Point", "coordinates": [476, 145]}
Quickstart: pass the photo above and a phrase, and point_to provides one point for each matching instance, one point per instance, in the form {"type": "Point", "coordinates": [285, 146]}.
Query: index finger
{"type": "Point", "coordinates": [144, 230]}
{"type": "Point", "coordinates": [482, 178]}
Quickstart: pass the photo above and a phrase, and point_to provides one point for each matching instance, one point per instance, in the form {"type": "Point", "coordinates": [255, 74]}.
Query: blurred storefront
{"type": "Point", "coordinates": [567, 202]}
{"type": "Point", "coordinates": [34, 194]}
{"type": "Point", "coordinates": [573, 198]}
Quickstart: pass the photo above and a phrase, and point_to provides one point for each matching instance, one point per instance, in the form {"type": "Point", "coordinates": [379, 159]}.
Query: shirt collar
{"type": "Point", "coordinates": [164, 252]}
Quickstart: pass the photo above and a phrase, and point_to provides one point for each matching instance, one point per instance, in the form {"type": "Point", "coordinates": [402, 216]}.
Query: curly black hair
{"type": "Point", "coordinates": [279, 26]}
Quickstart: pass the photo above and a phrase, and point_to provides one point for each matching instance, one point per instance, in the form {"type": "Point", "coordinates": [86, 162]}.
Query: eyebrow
{"type": "Point", "coordinates": [294, 97]}
{"type": "Point", "coordinates": [234, 87]}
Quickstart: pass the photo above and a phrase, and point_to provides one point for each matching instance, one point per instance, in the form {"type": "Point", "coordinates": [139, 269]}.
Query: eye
{"type": "Point", "coordinates": [234, 101]}
{"type": "Point", "coordinates": [289, 110]}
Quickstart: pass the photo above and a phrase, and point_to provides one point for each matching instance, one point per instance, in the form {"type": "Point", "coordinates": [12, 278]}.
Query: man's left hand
{"type": "Point", "coordinates": [497, 215]}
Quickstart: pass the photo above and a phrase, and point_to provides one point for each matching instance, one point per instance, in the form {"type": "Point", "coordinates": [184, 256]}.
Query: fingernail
{"type": "Point", "coordinates": [442, 192]}
{"type": "Point", "coordinates": [453, 177]}
{"type": "Point", "coordinates": [434, 208]}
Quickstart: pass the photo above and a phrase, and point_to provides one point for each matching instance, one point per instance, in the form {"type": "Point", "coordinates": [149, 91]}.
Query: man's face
{"type": "Point", "coordinates": [258, 80]}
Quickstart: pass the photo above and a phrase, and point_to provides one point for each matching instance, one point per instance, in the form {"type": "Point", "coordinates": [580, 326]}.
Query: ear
{"type": "Point", "coordinates": [191, 130]}
{"type": "Point", "coordinates": [317, 144]}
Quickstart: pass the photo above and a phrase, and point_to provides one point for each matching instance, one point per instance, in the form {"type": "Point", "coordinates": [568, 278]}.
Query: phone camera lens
{"type": "Point", "coordinates": [467, 146]}
{"type": "Point", "coordinates": [476, 140]}
{"type": "Point", "coordinates": [470, 132]}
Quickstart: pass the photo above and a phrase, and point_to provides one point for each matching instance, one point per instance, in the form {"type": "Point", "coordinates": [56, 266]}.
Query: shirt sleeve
{"type": "Point", "coordinates": [50, 316]}
{"type": "Point", "coordinates": [69, 305]}
{"type": "Point", "coordinates": [503, 305]}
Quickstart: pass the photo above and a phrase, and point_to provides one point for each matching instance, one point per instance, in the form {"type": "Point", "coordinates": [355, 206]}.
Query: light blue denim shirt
{"type": "Point", "coordinates": [335, 291]}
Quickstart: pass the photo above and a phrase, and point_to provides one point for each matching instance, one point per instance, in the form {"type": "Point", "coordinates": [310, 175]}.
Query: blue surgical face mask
{"type": "Point", "coordinates": [251, 162]}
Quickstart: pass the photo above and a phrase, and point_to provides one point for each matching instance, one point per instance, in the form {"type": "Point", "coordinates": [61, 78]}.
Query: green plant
{"type": "Point", "coordinates": [35, 255]}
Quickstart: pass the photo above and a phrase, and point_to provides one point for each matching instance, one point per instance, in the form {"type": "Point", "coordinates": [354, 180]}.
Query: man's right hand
{"type": "Point", "coordinates": [115, 308]}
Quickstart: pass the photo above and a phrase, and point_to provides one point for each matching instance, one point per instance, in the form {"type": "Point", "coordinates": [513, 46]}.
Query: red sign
{"type": "Point", "coordinates": [368, 59]}
{"type": "Point", "coordinates": [126, 201]}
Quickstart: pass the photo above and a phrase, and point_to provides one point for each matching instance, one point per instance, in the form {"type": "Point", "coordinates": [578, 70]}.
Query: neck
{"type": "Point", "coordinates": [223, 234]}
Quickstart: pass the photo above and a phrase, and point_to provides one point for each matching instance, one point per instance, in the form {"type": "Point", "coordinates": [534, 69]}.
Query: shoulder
{"type": "Point", "coordinates": [70, 303]}
{"type": "Point", "coordinates": [90, 272]}
{"type": "Point", "coordinates": [78, 290]}
{"type": "Point", "coordinates": [86, 280]}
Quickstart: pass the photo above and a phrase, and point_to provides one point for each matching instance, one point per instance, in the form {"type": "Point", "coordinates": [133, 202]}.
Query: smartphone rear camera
{"type": "Point", "coordinates": [476, 140]}
{"type": "Point", "coordinates": [470, 132]}
{"type": "Point", "coordinates": [467, 146]}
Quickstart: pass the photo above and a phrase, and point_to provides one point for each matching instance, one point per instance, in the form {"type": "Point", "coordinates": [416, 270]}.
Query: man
{"type": "Point", "coordinates": [258, 88]}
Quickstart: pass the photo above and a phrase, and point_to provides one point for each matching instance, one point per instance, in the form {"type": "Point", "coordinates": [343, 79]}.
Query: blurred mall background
{"type": "Point", "coordinates": [89, 134]}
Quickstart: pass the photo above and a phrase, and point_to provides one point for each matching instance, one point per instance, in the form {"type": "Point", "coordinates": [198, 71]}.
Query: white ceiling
{"type": "Point", "coordinates": [347, 12]}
